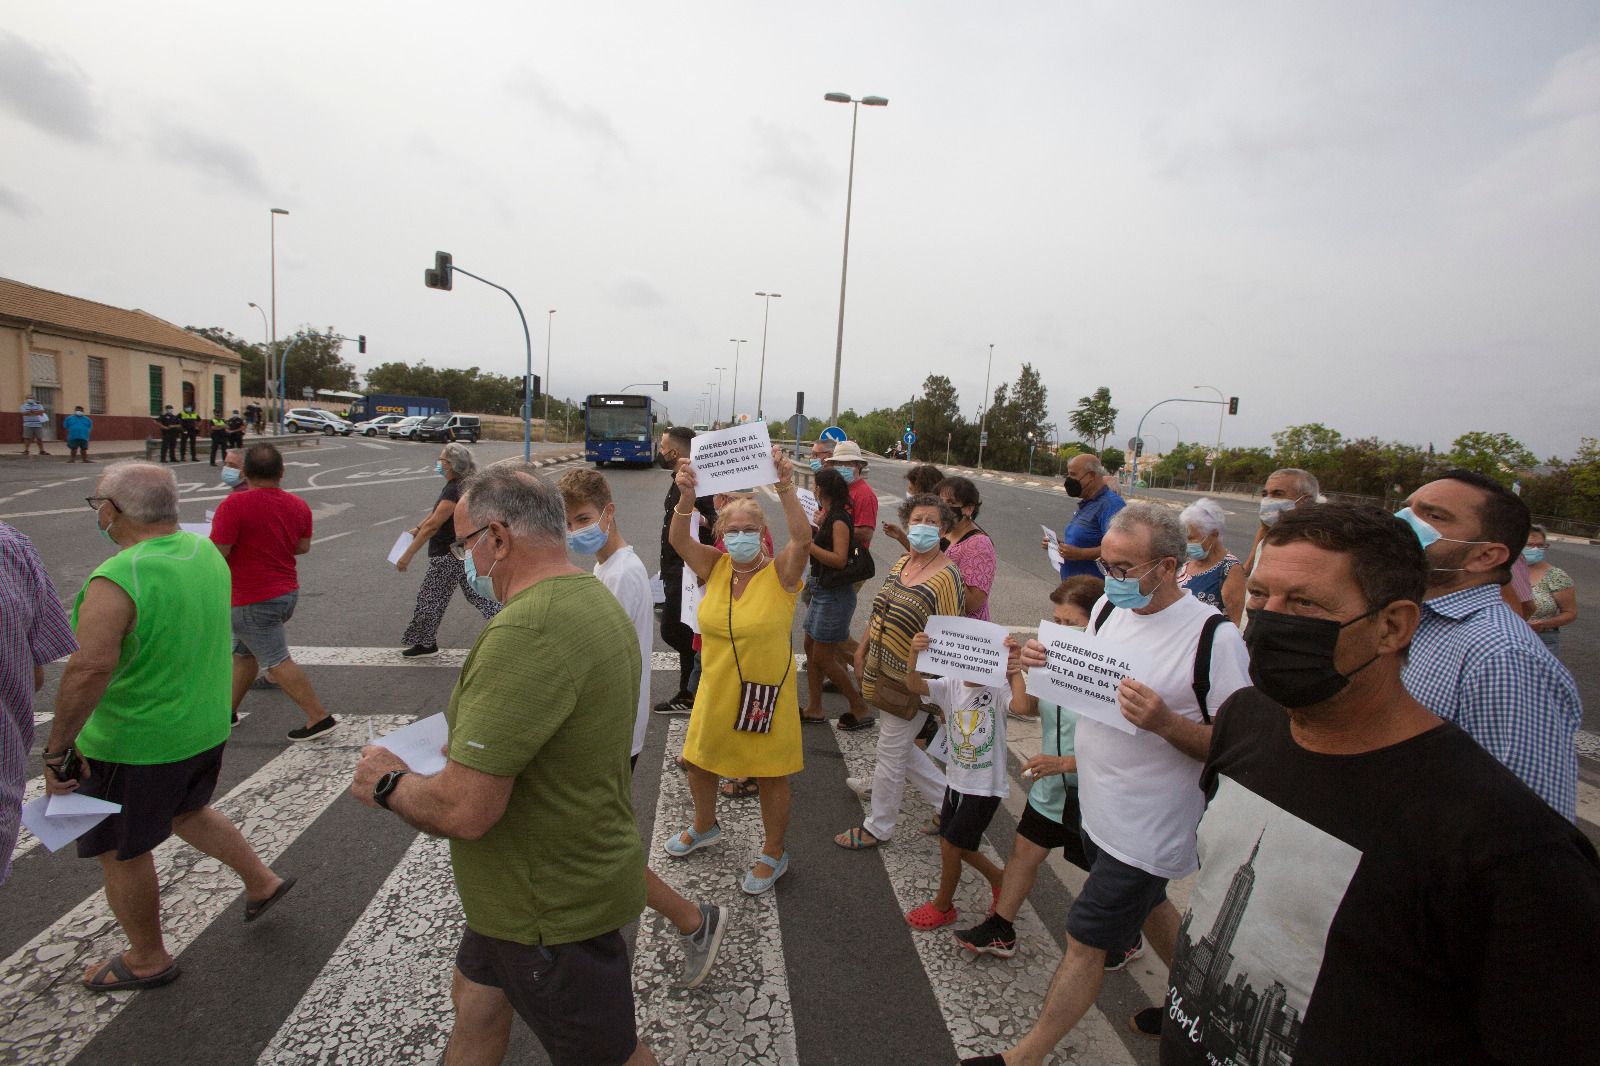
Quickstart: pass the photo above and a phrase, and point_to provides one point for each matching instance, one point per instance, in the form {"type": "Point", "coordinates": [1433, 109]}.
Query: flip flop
{"type": "Point", "coordinates": [736, 789]}
{"type": "Point", "coordinates": [849, 723]}
{"type": "Point", "coordinates": [252, 911]}
{"type": "Point", "coordinates": [126, 980]}
{"type": "Point", "coordinates": [857, 839]}
{"type": "Point", "coordinates": [813, 719]}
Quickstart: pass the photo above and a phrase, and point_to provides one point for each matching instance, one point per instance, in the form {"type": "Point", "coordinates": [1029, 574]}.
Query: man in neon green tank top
{"type": "Point", "coordinates": [142, 713]}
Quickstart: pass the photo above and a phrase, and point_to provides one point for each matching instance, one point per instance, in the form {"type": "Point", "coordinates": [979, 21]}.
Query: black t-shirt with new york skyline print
{"type": "Point", "coordinates": [1416, 904]}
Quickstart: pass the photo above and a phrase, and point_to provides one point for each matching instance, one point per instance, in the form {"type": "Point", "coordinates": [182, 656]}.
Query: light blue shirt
{"type": "Point", "coordinates": [1088, 528]}
{"type": "Point", "coordinates": [1477, 664]}
{"type": "Point", "coordinates": [77, 426]}
{"type": "Point", "coordinates": [1058, 730]}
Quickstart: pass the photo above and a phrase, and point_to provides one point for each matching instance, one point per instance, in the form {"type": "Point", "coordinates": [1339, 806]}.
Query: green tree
{"type": "Point", "coordinates": [1094, 419]}
{"type": "Point", "coordinates": [1113, 459]}
{"type": "Point", "coordinates": [938, 416]}
{"type": "Point", "coordinates": [252, 374]}
{"type": "Point", "coordinates": [1499, 455]}
{"type": "Point", "coordinates": [314, 361]}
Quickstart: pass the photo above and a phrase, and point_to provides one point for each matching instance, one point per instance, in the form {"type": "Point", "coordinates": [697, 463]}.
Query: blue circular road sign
{"type": "Point", "coordinates": [834, 433]}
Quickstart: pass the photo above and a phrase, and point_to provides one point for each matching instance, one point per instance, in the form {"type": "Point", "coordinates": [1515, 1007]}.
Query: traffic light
{"type": "Point", "coordinates": [799, 403]}
{"type": "Point", "coordinates": [1233, 405]}
{"type": "Point", "coordinates": [533, 386]}
{"type": "Point", "coordinates": [663, 386]}
{"type": "Point", "coordinates": [361, 343]}
{"type": "Point", "coordinates": [442, 274]}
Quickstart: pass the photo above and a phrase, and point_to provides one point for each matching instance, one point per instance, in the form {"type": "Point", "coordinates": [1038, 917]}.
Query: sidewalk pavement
{"type": "Point", "coordinates": [125, 449]}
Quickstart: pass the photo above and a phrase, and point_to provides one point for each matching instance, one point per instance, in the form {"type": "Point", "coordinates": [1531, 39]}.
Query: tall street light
{"type": "Point", "coordinates": [266, 331]}
{"type": "Point", "coordinates": [549, 324]}
{"type": "Point", "coordinates": [733, 407]}
{"type": "Point", "coordinates": [983, 417]}
{"type": "Point", "coordinates": [849, 196]}
{"type": "Point", "coordinates": [272, 216]}
{"type": "Point", "coordinates": [1222, 402]}
{"type": "Point", "coordinates": [761, 382]}
{"type": "Point", "coordinates": [719, 370]}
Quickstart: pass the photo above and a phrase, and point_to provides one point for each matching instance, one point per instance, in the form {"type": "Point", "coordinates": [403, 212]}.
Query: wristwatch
{"type": "Point", "coordinates": [385, 787]}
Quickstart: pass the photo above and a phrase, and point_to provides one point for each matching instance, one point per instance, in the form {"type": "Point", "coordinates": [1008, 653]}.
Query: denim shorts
{"type": "Point", "coordinates": [258, 629]}
{"type": "Point", "coordinates": [828, 617]}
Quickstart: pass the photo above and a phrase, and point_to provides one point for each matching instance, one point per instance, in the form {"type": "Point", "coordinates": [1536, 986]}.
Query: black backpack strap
{"type": "Point", "coordinates": [1105, 612]}
{"type": "Point", "coordinates": [1202, 664]}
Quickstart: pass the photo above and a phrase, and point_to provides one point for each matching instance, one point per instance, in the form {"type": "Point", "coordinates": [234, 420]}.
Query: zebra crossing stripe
{"type": "Point", "coordinates": [51, 1018]}
{"type": "Point", "coordinates": [742, 1013]}
{"type": "Point", "coordinates": [449, 658]}
{"type": "Point", "coordinates": [400, 951]}
{"type": "Point", "coordinates": [987, 1003]}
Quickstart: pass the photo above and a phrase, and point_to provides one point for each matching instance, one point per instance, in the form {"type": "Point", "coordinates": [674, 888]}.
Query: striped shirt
{"type": "Point", "coordinates": [900, 612]}
{"type": "Point", "coordinates": [1475, 663]}
{"type": "Point", "coordinates": [33, 631]}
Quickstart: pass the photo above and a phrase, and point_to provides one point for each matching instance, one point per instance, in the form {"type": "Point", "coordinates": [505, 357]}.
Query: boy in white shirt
{"type": "Point", "coordinates": [975, 775]}
{"type": "Point", "coordinates": [592, 530]}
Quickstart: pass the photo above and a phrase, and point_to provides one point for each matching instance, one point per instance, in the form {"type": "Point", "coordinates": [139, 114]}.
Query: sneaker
{"type": "Point", "coordinates": [263, 682]}
{"type": "Point", "coordinates": [861, 786]}
{"type": "Point", "coordinates": [235, 719]}
{"type": "Point", "coordinates": [1135, 952]}
{"type": "Point", "coordinates": [314, 730]}
{"type": "Point", "coordinates": [994, 936]}
{"type": "Point", "coordinates": [700, 947]}
{"type": "Point", "coordinates": [682, 703]}
{"type": "Point", "coordinates": [420, 649]}
{"type": "Point", "coordinates": [1147, 1022]}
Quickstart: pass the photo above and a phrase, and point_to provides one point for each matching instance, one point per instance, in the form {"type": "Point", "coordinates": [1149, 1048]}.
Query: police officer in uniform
{"type": "Point", "coordinates": [219, 438]}
{"type": "Point", "coordinates": [191, 432]}
{"type": "Point", "coordinates": [235, 431]}
{"type": "Point", "coordinates": [170, 425]}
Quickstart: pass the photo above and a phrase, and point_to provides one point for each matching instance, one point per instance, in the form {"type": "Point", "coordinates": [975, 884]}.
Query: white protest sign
{"type": "Point", "coordinates": [967, 649]}
{"type": "Point", "coordinates": [939, 747]}
{"type": "Point", "coordinates": [689, 615]}
{"type": "Point", "coordinates": [401, 543]}
{"type": "Point", "coordinates": [658, 588]}
{"type": "Point", "coordinates": [728, 460]}
{"type": "Point", "coordinates": [420, 744]}
{"type": "Point", "coordinates": [1081, 673]}
{"type": "Point", "coordinates": [1052, 548]}
{"type": "Point", "coordinates": [808, 500]}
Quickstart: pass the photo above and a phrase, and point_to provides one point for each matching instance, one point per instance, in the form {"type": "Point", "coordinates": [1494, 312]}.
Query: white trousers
{"type": "Point", "coordinates": [900, 758]}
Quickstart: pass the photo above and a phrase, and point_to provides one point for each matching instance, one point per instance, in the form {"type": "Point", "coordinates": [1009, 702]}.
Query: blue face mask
{"type": "Point", "coordinates": [230, 476]}
{"type": "Point", "coordinates": [923, 538]}
{"type": "Point", "coordinates": [743, 547]}
{"type": "Point", "coordinates": [816, 465]}
{"type": "Point", "coordinates": [1124, 592]}
{"type": "Point", "coordinates": [1425, 533]}
{"type": "Point", "coordinates": [1533, 555]}
{"type": "Point", "coordinates": [481, 583]}
{"type": "Point", "coordinates": [1195, 551]}
{"type": "Point", "coordinates": [846, 472]}
{"type": "Point", "coordinates": [105, 531]}
{"type": "Point", "coordinates": [588, 540]}
{"type": "Point", "coordinates": [438, 468]}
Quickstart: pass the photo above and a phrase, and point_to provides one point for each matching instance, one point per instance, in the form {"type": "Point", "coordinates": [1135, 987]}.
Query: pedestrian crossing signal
{"type": "Point", "coordinates": [442, 274]}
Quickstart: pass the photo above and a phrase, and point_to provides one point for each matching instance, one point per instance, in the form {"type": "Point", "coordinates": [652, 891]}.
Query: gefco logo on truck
{"type": "Point", "coordinates": [388, 409]}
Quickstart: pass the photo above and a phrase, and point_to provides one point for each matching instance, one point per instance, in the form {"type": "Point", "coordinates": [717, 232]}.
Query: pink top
{"type": "Point", "coordinates": [974, 557]}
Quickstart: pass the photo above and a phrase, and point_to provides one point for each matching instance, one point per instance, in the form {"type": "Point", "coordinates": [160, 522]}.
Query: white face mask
{"type": "Point", "coordinates": [1272, 509]}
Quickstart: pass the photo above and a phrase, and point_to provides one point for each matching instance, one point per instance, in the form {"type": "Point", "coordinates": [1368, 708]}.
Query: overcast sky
{"type": "Point", "coordinates": [1380, 217]}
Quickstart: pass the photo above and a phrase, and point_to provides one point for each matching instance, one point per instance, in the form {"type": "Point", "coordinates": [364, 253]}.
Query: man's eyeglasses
{"type": "Point", "coordinates": [94, 502]}
{"type": "Point", "coordinates": [1122, 573]}
{"type": "Point", "coordinates": [459, 547]}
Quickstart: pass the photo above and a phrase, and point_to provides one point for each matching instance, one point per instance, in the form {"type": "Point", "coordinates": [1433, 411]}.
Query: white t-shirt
{"type": "Point", "coordinates": [975, 726]}
{"type": "Point", "coordinates": [1141, 796]}
{"type": "Point", "coordinates": [629, 582]}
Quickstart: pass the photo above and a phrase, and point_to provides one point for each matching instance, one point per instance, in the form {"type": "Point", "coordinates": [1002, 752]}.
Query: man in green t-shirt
{"type": "Point", "coordinates": [535, 796]}
{"type": "Point", "coordinates": [142, 714]}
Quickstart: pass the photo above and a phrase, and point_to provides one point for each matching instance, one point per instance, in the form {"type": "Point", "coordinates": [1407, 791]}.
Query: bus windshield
{"type": "Point", "coordinates": [619, 423]}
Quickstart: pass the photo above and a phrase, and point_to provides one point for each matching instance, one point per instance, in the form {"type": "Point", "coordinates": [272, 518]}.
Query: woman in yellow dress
{"type": "Point", "coordinates": [746, 720]}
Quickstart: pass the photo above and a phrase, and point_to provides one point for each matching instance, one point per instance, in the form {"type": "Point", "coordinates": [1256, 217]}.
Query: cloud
{"type": "Point", "coordinates": [44, 91]}
{"type": "Point", "coordinates": [215, 156]}
{"type": "Point", "coordinates": [631, 290]}
{"type": "Point", "coordinates": [792, 161]}
{"type": "Point", "coordinates": [13, 203]}
{"type": "Point", "coordinates": [588, 120]}
{"type": "Point", "coordinates": [1573, 88]}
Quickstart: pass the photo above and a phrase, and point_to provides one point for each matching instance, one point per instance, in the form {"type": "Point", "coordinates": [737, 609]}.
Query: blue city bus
{"type": "Point", "coordinates": [620, 427]}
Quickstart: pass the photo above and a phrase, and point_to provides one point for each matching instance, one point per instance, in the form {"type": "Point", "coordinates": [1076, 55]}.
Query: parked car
{"type": "Point", "coordinates": [450, 427]}
{"type": "Point", "coordinates": [406, 428]}
{"type": "Point", "coordinates": [316, 420]}
{"type": "Point", "coordinates": [378, 426]}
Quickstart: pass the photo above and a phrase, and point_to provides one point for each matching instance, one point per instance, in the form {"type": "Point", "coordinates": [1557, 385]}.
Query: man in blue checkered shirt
{"type": "Point", "coordinates": [1473, 661]}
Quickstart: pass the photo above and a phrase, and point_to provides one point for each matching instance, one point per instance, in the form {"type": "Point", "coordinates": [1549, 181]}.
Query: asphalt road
{"type": "Point", "coordinates": [352, 968]}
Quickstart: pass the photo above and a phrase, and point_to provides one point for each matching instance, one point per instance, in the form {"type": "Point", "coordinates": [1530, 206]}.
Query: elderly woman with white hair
{"type": "Point", "coordinates": [1211, 573]}
{"type": "Point", "coordinates": [445, 571]}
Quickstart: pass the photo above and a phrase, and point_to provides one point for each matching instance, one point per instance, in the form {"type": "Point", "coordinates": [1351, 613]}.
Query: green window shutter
{"type": "Point", "coordinates": [216, 393]}
{"type": "Point", "coordinates": [157, 389]}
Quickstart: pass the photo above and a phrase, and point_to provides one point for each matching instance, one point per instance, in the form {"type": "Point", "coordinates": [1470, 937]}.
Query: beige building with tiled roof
{"type": "Point", "coordinates": [121, 366]}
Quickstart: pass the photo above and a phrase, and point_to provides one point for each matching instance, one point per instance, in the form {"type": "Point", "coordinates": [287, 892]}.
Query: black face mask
{"type": "Point", "coordinates": [666, 462]}
{"type": "Point", "coordinates": [1291, 658]}
{"type": "Point", "coordinates": [1074, 487]}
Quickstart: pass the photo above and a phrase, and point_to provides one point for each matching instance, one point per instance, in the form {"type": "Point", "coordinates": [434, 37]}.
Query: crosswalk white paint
{"type": "Point", "coordinates": [50, 1018]}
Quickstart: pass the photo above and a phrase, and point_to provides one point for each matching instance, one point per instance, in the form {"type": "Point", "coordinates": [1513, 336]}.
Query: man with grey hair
{"type": "Point", "coordinates": [1088, 482]}
{"type": "Point", "coordinates": [142, 714]}
{"type": "Point", "coordinates": [445, 572]}
{"type": "Point", "coordinates": [535, 796]}
{"type": "Point", "coordinates": [1286, 489]}
{"type": "Point", "coordinates": [1139, 791]}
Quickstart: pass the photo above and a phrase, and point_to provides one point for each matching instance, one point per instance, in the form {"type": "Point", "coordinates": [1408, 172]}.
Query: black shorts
{"type": "Point", "coordinates": [1048, 833]}
{"type": "Point", "coordinates": [151, 797]}
{"type": "Point", "coordinates": [577, 998]}
{"type": "Point", "coordinates": [963, 818]}
{"type": "Point", "coordinates": [1114, 902]}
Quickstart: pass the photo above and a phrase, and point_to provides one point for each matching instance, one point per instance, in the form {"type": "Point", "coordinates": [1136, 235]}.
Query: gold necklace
{"type": "Point", "coordinates": [745, 573]}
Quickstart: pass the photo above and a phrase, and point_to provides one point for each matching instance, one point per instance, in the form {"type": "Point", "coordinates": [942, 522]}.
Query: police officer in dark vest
{"type": "Point", "coordinates": [191, 432]}
{"type": "Point", "coordinates": [235, 431]}
{"type": "Point", "coordinates": [170, 426]}
{"type": "Point", "coordinates": [219, 438]}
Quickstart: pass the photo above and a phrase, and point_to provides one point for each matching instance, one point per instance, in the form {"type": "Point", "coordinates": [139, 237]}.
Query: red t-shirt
{"type": "Point", "coordinates": [864, 506]}
{"type": "Point", "coordinates": [264, 526]}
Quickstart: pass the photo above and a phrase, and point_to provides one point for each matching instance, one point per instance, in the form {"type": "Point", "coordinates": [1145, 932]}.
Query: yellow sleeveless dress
{"type": "Point", "coordinates": [763, 620]}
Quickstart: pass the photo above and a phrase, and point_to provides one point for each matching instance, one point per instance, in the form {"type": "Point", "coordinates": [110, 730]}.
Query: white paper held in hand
{"type": "Point", "coordinates": [1082, 672]}
{"type": "Point", "coordinates": [56, 832]}
{"type": "Point", "coordinates": [728, 460]}
{"type": "Point", "coordinates": [401, 543]}
{"type": "Point", "coordinates": [420, 744]}
{"type": "Point", "coordinates": [71, 804]}
{"type": "Point", "coordinates": [967, 649]}
{"type": "Point", "coordinates": [808, 501]}
{"type": "Point", "coordinates": [1052, 548]}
